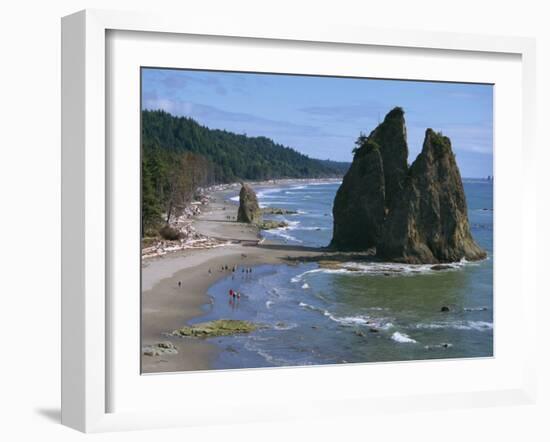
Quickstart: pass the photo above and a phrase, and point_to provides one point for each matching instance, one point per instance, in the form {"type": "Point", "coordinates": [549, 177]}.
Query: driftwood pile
{"type": "Point", "coordinates": [189, 237]}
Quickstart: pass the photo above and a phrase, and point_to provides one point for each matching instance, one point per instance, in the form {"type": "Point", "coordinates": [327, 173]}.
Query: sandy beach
{"type": "Point", "coordinates": [167, 306]}
{"type": "Point", "coordinates": [322, 307]}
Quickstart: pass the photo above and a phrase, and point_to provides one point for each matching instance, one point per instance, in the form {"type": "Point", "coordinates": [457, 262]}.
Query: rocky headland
{"type": "Point", "coordinates": [415, 214]}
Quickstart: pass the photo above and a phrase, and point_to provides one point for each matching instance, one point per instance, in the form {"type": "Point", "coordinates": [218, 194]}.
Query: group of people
{"type": "Point", "coordinates": [234, 269]}
{"type": "Point", "coordinates": [234, 294]}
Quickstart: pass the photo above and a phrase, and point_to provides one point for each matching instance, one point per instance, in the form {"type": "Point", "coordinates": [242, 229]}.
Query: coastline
{"type": "Point", "coordinates": [166, 306]}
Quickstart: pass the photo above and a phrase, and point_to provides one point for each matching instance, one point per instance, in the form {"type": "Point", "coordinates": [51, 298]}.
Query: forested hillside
{"type": "Point", "coordinates": [179, 155]}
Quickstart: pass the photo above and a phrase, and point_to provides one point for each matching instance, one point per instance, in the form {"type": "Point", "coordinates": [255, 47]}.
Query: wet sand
{"type": "Point", "coordinates": [166, 306]}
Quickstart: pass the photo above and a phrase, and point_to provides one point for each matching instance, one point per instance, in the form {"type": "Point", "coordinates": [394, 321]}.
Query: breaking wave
{"type": "Point", "coordinates": [457, 325]}
{"type": "Point", "coordinates": [402, 338]}
{"type": "Point", "coordinates": [385, 269]}
{"type": "Point", "coordinates": [281, 232]}
{"type": "Point", "coordinates": [363, 320]}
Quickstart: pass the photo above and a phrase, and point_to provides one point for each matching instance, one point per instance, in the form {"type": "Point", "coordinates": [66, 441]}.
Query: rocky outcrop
{"type": "Point", "coordinates": [359, 205]}
{"type": "Point", "coordinates": [372, 182]}
{"type": "Point", "coordinates": [413, 214]}
{"type": "Point", "coordinates": [428, 221]}
{"type": "Point", "coordinates": [220, 327]}
{"type": "Point", "coordinates": [160, 349]}
{"type": "Point", "coordinates": [391, 137]}
{"type": "Point", "coordinates": [249, 209]}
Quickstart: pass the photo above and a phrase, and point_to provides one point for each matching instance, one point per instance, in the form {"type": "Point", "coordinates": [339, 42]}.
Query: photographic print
{"type": "Point", "coordinates": [298, 220]}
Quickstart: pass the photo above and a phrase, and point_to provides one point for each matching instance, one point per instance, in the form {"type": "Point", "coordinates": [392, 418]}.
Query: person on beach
{"type": "Point", "coordinates": [209, 271]}
{"type": "Point", "coordinates": [179, 283]}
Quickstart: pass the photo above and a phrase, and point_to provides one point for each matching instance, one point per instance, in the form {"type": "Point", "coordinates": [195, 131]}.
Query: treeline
{"type": "Point", "coordinates": [179, 155]}
{"type": "Point", "coordinates": [169, 181]}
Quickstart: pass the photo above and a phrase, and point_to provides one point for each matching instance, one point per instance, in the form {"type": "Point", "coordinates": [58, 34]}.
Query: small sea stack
{"type": "Point", "coordinates": [249, 209]}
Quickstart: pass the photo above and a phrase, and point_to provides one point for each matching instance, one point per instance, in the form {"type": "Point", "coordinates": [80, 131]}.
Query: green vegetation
{"type": "Point", "coordinates": [441, 143]}
{"type": "Point", "coordinates": [179, 155]}
{"type": "Point", "coordinates": [168, 182]}
{"type": "Point", "coordinates": [364, 145]}
{"type": "Point", "coordinates": [221, 327]}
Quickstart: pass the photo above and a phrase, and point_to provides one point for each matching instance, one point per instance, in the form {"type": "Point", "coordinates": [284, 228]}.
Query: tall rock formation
{"type": "Point", "coordinates": [414, 214]}
{"type": "Point", "coordinates": [428, 221]}
{"type": "Point", "coordinates": [249, 209]}
{"type": "Point", "coordinates": [391, 136]}
{"type": "Point", "coordinates": [359, 203]}
{"type": "Point", "coordinates": [375, 177]}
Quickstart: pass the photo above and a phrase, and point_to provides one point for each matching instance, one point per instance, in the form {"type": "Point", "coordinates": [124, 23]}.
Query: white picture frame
{"type": "Point", "coordinates": [85, 236]}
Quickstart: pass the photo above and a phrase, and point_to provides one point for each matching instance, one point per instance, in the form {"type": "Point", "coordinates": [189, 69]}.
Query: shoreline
{"type": "Point", "coordinates": [212, 200]}
{"type": "Point", "coordinates": [165, 306]}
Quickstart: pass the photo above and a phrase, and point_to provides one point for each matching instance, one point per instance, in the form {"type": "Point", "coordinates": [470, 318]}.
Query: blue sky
{"type": "Point", "coordinates": [322, 116]}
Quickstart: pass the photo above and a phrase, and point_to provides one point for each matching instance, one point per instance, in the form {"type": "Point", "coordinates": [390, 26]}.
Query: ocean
{"type": "Point", "coordinates": [365, 313]}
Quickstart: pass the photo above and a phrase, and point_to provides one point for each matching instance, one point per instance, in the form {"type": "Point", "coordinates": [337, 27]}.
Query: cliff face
{"type": "Point", "coordinates": [249, 209]}
{"type": "Point", "coordinates": [414, 215]}
{"type": "Point", "coordinates": [428, 222]}
{"type": "Point", "coordinates": [375, 177]}
{"type": "Point", "coordinates": [391, 136]}
{"type": "Point", "coordinates": [359, 204]}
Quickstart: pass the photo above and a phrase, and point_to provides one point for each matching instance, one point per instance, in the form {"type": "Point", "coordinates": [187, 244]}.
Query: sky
{"type": "Point", "coordinates": [323, 116]}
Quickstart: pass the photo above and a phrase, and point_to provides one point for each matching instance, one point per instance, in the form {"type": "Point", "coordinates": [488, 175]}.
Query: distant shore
{"type": "Point", "coordinates": [166, 306]}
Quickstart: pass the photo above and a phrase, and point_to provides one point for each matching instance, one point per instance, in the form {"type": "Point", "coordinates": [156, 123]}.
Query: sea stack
{"type": "Point", "coordinates": [391, 137]}
{"type": "Point", "coordinates": [415, 214]}
{"type": "Point", "coordinates": [372, 182]}
{"type": "Point", "coordinates": [249, 209]}
{"type": "Point", "coordinates": [428, 222]}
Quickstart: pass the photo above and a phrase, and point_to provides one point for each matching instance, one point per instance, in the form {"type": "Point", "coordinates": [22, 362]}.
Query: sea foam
{"type": "Point", "coordinates": [457, 325]}
{"type": "Point", "coordinates": [386, 269]}
{"type": "Point", "coordinates": [402, 338]}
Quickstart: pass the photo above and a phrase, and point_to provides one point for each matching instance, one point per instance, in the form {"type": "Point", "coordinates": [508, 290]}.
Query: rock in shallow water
{"type": "Point", "coordinates": [416, 214]}
{"type": "Point", "coordinates": [160, 348]}
{"type": "Point", "coordinates": [220, 327]}
{"type": "Point", "coordinates": [359, 203]}
{"type": "Point", "coordinates": [272, 224]}
{"type": "Point", "coordinates": [374, 179]}
{"type": "Point", "coordinates": [428, 222]}
{"type": "Point", "coordinates": [249, 209]}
